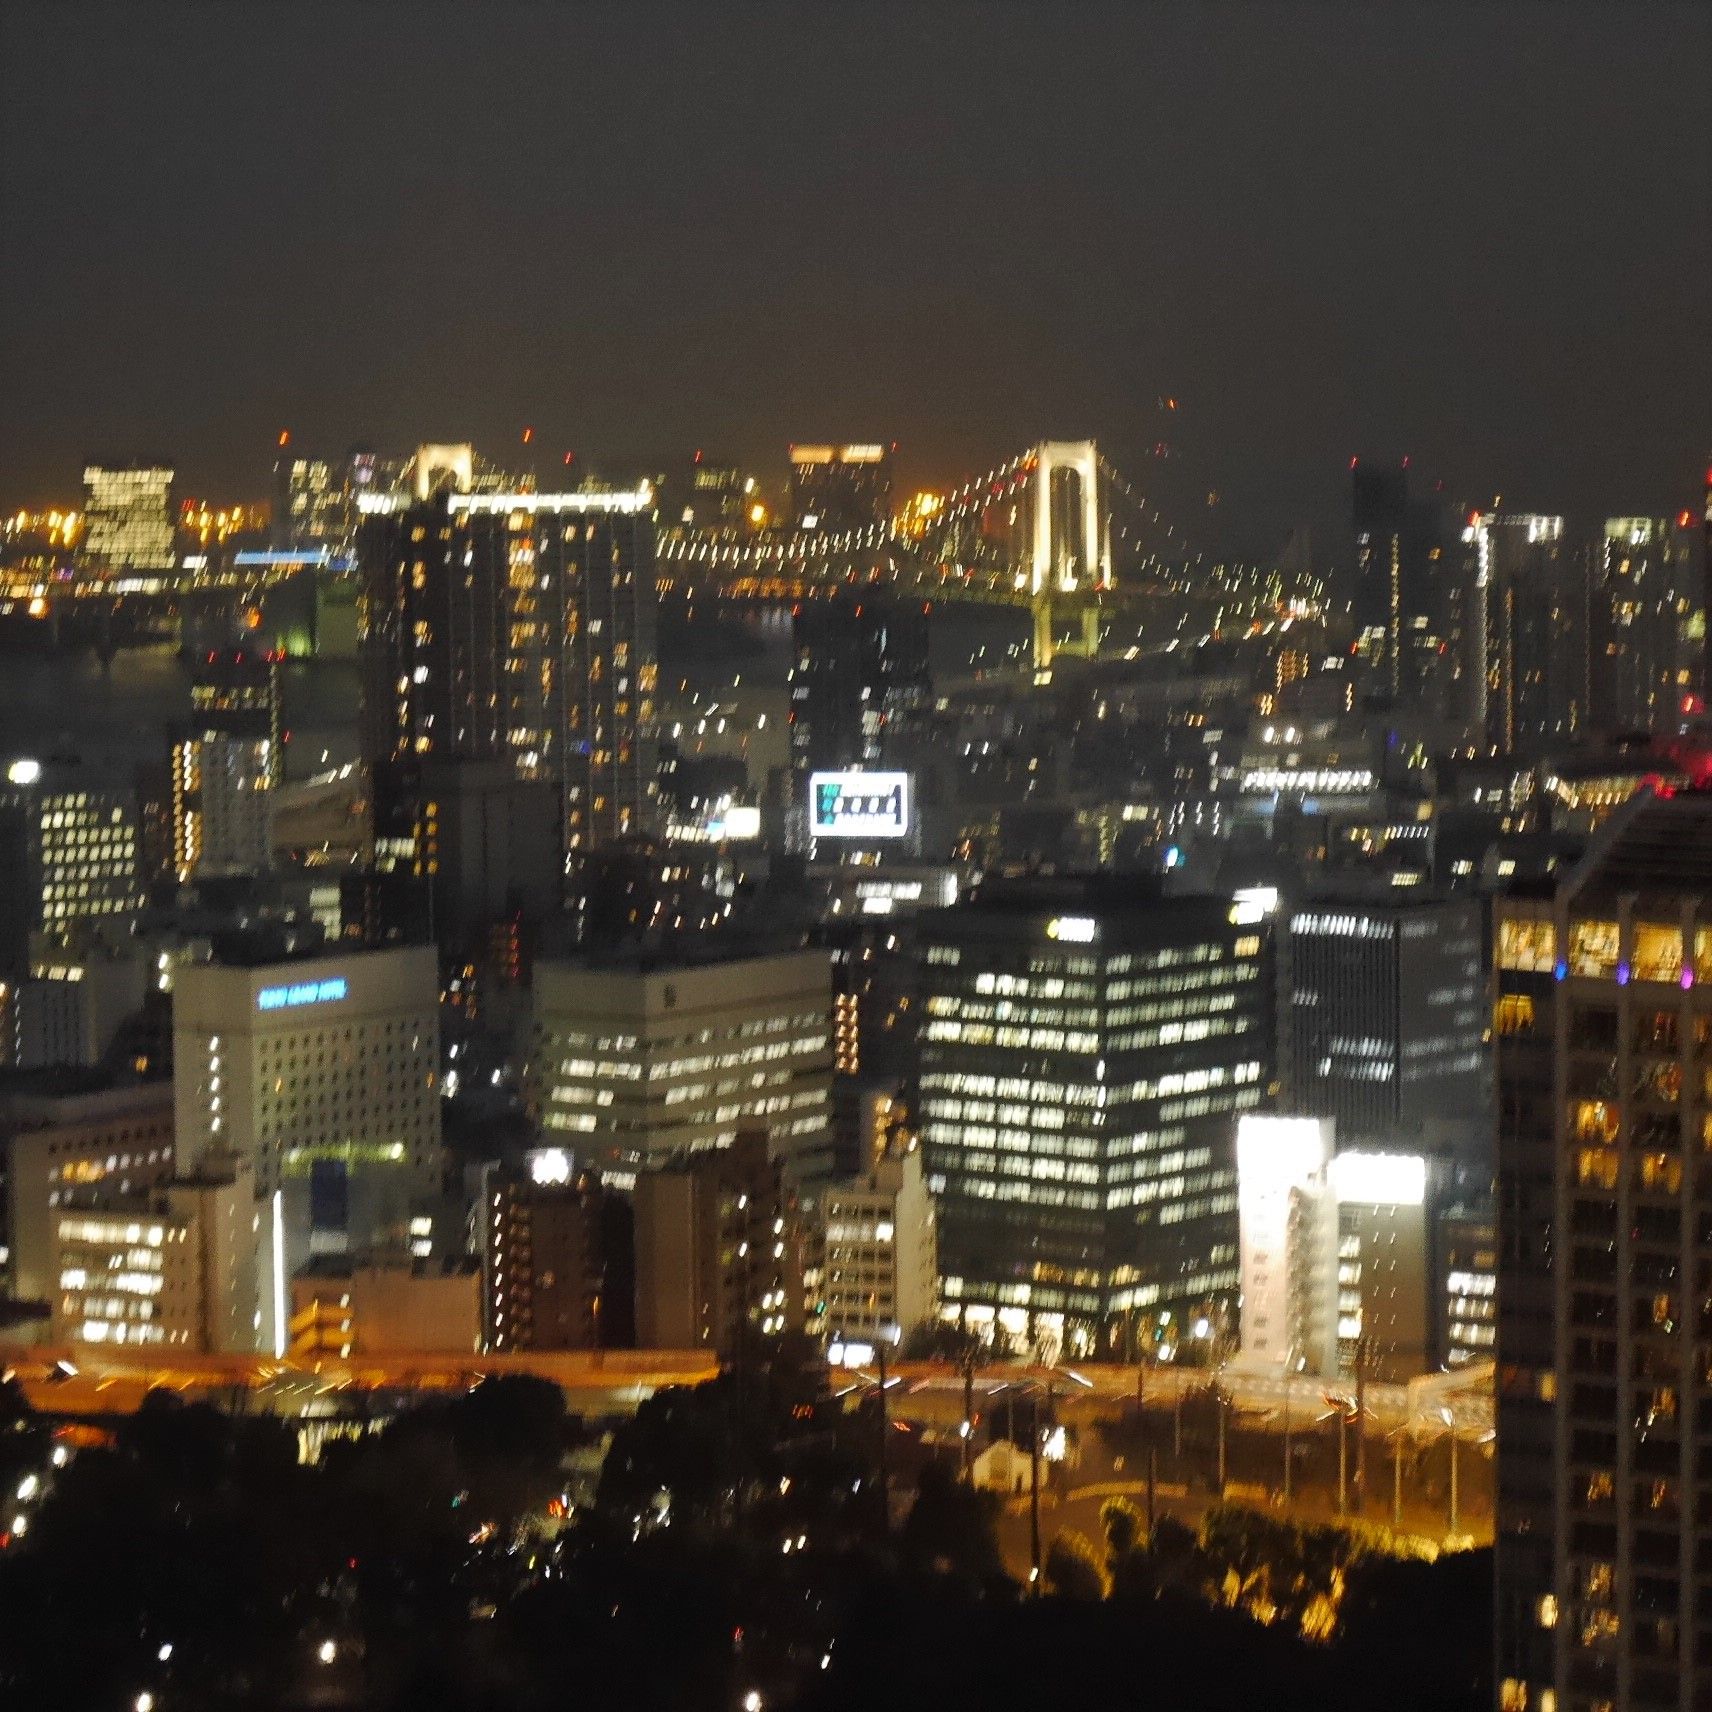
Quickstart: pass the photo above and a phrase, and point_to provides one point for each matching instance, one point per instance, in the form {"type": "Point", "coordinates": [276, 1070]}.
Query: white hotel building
{"type": "Point", "coordinates": [322, 1074]}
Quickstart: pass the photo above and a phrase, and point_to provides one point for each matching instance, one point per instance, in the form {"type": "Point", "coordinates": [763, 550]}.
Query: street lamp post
{"type": "Point", "coordinates": [1342, 1463]}
{"type": "Point", "coordinates": [1034, 1493]}
{"type": "Point", "coordinates": [968, 1414]}
{"type": "Point", "coordinates": [885, 1435]}
{"type": "Point", "coordinates": [1289, 1447]}
{"type": "Point", "coordinates": [1224, 1411]}
{"type": "Point", "coordinates": [1397, 1479]}
{"type": "Point", "coordinates": [1453, 1475]}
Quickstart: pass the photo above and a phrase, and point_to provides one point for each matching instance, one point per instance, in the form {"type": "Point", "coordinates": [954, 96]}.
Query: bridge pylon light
{"type": "Point", "coordinates": [1089, 560]}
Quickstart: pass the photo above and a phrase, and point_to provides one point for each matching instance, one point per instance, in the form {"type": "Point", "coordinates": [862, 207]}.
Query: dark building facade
{"type": "Point", "coordinates": [841, 488]}
{"type": "Point", "coordinates": [1406, 610]}
{"type": "Point", "coordinates": [558, 1263]}
{"type": "Point", "coordinates": [1533, 605]}
{"type": "Point", "coordinates": [720, 1255]}
{"type": "Point", "coordinates": [859, 663]}
{"type": "Point", "coordinates": [1604, 1025]}
{"type": "Point", "coordinates": [1383, 1014]}
{"type": "Point", "coordinates": [1638, 601]}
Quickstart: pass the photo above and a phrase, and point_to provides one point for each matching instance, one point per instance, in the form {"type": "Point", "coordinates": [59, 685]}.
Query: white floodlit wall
{"type": "Point", "coordinates": [1281, 1176]}
{"type": "Point", "coordinates": [1379, 1179]}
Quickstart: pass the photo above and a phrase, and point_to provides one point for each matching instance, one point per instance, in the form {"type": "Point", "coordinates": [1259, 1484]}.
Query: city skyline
{"type": "Point", "coordinates": [1419, 210]}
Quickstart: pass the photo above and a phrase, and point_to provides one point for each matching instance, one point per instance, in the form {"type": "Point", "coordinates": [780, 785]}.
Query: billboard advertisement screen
{"type": "Point", "coordinates": [858, 805]}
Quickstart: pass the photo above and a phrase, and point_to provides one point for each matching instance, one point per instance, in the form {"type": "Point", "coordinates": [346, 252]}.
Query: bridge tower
{"type": "Point", "coordinates": [1071, 561]}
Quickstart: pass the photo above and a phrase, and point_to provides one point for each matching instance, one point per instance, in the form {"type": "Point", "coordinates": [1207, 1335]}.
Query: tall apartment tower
{"type": "Point", "coordinates": [1383, 1015]}
{"type": "Point", "coordinates": [1086, 1047]}
{"type": "Point", "coordinates": [516, 626]}
{"type": "Point", "coordinates": [1532, 598]}
{"type": "Point", "coordinates": [1604, 1024]}
{"type": "Point", "coordinates": [1405, 608]}
{"type": "Point", "coordinates": [1638, 599]}
{"type": "Point", "coordinates": [227, 765]}
{"type": "Point", "coordinates": [859, 661]}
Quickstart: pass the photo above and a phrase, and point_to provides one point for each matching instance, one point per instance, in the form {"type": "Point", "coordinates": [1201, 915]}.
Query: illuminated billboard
{"type": "Point", "coordinates": [302, 993]}
{"type": "Point", "coordinates": [858, 805]}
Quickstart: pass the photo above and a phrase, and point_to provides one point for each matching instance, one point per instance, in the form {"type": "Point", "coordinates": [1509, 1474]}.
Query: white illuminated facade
{"type": "Point", "coordinates": [880, 1274]}
{"type": "Point", "coordinates": [173, 1270]}
{"type": "Point", "coordinates": [324, 1074]}
{"type": "Point", "coordinates": [1337, 1261]}
{"type": "Point", "coordinates": [637, 1065]}
{"type": "Point", "coordinates": [1281, 1207]}
{"type": "Point", "coordinates": [68, 855]}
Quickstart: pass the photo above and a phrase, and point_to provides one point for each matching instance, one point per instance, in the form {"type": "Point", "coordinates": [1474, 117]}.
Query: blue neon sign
{"type": "Point", "coordinates": [301, 993]}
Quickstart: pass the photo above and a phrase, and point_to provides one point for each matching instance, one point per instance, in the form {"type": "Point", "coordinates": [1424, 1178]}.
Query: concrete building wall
{"type": "Point", "coordinates": [641, 1065]}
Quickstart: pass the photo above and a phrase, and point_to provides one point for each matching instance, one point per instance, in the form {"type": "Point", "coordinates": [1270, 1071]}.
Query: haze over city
{"type": "Point", "coordinates": [855, 856]}
{"type": "Point", "coordinates": [1474, 235]}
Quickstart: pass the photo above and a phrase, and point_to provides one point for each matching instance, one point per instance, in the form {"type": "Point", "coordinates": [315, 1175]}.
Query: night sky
{"type": "Point", "coordinates": [1479, 234]}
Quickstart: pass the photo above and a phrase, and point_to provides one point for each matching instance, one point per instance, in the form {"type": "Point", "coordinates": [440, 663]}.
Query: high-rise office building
{"type": "Point", "coordinates": [68, 856]}
{"type": "Point", "coordinates": [227, 765]}
{"type": "Point", "coordinates": [1383, 1015]}
{"type": "Point", "coordinates": [1086, 1046]}
{"type": "Point", "coordinates": [516, 626]}
{"type": "Point", "coordinates": [1604, 1024]}
{"type": "Point", "coordinates": [639, 1064]}
{"type": "Point", "coordinates": [173, 1268]}
{"type": "Point", "coordinates": [1532, 605]}
{"type": "Point", "coordinates": [841, 488]}
{"type": "Point", "coordinates": [323, 1073]}
{"type": "Point", "coordinates": [1638, 600]}
{"type": "Point", "coordinates": [128, 520]}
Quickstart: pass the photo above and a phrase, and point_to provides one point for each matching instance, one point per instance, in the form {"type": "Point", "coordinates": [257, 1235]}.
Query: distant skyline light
{"type": "Point", "coordinates": [1233, 244]}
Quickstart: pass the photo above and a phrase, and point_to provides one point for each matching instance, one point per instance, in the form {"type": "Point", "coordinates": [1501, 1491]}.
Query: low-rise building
{"type": "Point", "coordinates": [339, 1311]}
{"type": "Point", "coordinates": [174, 1268]}
{"type": "Point", "coordinates": [67, 1136]}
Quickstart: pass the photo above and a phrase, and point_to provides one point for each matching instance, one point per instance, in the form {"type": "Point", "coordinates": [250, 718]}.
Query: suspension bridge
{"type": "Point", "coordinates": [1040, 531]}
